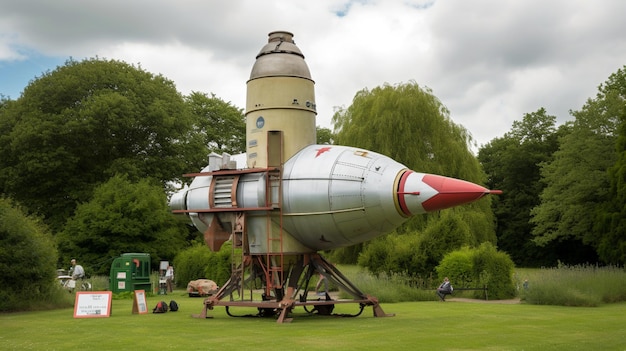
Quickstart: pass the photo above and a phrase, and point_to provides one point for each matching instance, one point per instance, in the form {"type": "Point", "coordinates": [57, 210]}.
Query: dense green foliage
{"type": "Point", "coordinates": [458, 267]}
{"type": "Point", "coordinates": [512, 163]}
{"type": "Point", "coordinates": [27, 261]}
{"type": "Point", "coordinates": [409, 124]}
{"type": "Point", "coordinates": [198, 262]}
{"type": "Point", "coordinates": [221, 124]}
{"type": "Point", "coordinates": [84, 122]}
{"type": "Point", "coordinates": [576, 206]}
{"type": "Point", "coordinates": [495, 270]}
{"type": "Point", "coordinates": [324, 136]}
{"type": "Point", "coordinates": [480, 267]}
{"type": "Point", "coordinates": [611, 222]}
{"type": "Point", "coordinates": [577, 181]}
{"type": "Point", "coordinates": [122, 216]}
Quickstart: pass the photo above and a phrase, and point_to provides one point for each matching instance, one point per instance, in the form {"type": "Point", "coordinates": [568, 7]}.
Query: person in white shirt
{"type": "Point", "coordinates": [169, 278]}
{"type": "Point", "coordinates": [77, 270]}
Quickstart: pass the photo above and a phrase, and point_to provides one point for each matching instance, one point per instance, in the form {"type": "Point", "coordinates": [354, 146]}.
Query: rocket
{"type": "Point", "coordinates": [332, 196]}
{"type": "Point", "coordinates": [296, 198]}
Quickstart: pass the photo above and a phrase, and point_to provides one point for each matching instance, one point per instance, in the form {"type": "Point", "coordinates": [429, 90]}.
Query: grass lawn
{"type": "Point", "coordinates": [452, 325]}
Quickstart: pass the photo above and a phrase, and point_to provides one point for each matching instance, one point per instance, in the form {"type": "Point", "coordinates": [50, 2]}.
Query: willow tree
{"type": "Point", "coordinates": [410, 124]}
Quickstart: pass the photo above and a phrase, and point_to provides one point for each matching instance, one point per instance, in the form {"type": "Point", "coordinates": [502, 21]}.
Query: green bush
{"type": "Point", "coordinates": [494, 269]}
{"type": "Point", "coordinates": [199, 262]}
{"type": "Point", "coordinates": [27, 262]}
{"type": "Point", "coordinates": [374, 256]}
{"type": "Point", "coordinates": [417, 254]}
{"type": "Point", "coordinates": [480, 267]}
{"type": "Point", "coordinates": [458, 267]}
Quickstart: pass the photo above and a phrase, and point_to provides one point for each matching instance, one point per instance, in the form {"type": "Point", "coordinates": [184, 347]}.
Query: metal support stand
{"type": "Point", "coordinates": [283, 301]}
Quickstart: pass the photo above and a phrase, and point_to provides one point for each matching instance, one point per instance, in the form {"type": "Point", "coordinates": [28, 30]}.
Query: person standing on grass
{"type": "Point", "coordinates": [169, 278]}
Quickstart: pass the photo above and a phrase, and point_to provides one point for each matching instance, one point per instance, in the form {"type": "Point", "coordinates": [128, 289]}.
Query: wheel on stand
{"type": "Point", "coordinates": [85, 286]}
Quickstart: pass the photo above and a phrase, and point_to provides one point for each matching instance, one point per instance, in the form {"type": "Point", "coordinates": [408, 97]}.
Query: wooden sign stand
{"type": "Point", "coordinates": [139, 302]}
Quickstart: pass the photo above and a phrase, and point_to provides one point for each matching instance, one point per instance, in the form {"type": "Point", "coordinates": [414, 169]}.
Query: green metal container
{"type": "Point", "coordinates": [130, 272]}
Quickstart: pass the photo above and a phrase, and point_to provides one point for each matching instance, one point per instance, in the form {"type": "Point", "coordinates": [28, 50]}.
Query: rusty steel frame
{"type": "Point", "coordinates": [284, 302]}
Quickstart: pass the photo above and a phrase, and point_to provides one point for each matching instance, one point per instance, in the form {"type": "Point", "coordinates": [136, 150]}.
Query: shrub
{"type": "Point", "coordinates": [480, 267]}
{"type": "Point", "coordinates": [457, 266]}
{"type": "Point", "coordinates": [374, 255]}
{"type": "Point", "coordinates": [444, 234]}
{"type": "Point", "coordinates": [494, 269]}
{"type": "Point", "coordinates": [27, 262]}
{"type": "Point", "coordinates": [199, 261]}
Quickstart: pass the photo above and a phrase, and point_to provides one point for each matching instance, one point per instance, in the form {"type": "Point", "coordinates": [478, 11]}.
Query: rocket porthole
{"type": "Point", "coordinates": [260, 122]}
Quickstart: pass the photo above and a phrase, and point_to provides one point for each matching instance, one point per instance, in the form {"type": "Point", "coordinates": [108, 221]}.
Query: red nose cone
{"type": "Point", "coordinates": [451, 192]}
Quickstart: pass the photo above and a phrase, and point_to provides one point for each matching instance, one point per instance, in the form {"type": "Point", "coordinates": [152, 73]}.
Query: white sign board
{"type": "Point", "coordinates": [92, 304]}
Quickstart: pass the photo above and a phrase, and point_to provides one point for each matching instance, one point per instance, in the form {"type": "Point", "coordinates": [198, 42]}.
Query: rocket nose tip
{"type": "Point", "coordinates": [451, 192]}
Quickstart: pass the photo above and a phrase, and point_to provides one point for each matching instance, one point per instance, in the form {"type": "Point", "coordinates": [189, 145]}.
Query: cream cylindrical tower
{"type": "Point", "coordinates": [280, 98]}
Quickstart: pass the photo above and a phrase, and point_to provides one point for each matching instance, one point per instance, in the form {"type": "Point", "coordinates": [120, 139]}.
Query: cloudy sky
{"type": "Point", "coordinates": [488, 61]}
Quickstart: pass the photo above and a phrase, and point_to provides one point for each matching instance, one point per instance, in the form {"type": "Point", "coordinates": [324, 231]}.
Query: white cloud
{"type": "Point", "coordinates": [488, 61]}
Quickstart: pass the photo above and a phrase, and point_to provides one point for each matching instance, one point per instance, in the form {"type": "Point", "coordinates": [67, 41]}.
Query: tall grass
{"type": "Point", "coordinates": [580, 285]}
{"type": "Point", "coordinates": [390, 288]}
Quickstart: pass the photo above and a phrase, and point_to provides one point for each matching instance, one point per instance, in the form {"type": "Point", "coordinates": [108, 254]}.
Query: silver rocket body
{"type": "Point", "coordinates": [332, 197]}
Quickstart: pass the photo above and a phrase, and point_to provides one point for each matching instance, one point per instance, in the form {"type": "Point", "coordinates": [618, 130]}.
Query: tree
{"type": "Point", "coordinates": [122, 216]}
{"type": "Point", "coordinates": [611, 223]}
{"type": "Point", "coordinates": [576, 184]}
{"type": "Point", "coordinates": [409, 124]}
{"type": "Point", "coordinates": [512, 165]}
{"type": "Point", "coordinates": [84, 122]}
{"type": "Point", "coordinates": [325, 136]}
{"type": "Point", "coordinates": [221, 124]}
{"type": "Point", "coordinates": [27, 260]}
{"type": "Point", "coordinates": [575, 203]}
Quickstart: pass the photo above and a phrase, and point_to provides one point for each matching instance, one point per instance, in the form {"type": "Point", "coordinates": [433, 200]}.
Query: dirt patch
{"type": "Point", "coordinates": [503, 302]}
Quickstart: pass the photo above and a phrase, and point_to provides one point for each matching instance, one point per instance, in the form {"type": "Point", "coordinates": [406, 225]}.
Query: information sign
{"type": "Point", "coordinates": [92, 304]}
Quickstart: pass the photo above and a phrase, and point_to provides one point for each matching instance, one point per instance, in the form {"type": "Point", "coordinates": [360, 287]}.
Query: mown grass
{"type": "Point", "coordinates": [416, 326]}
{"type": "Point", "coordinates": [421, 325]}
